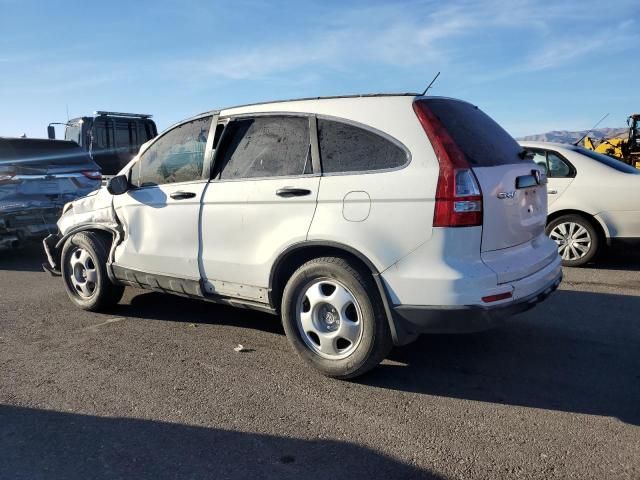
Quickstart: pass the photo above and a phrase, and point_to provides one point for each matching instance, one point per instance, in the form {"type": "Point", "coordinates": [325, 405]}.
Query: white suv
{"type": "Point", "coordinates": [363, 221]}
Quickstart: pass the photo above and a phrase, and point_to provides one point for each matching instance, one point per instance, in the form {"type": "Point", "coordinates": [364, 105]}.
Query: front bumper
{"type": "Point", "coordinates": [416, 319]}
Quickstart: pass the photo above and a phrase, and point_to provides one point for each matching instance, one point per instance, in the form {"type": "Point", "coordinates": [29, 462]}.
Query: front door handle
{"type": "Point", "coordinates": [552, 192]}
{"type": "Point", "coordinates": [182, 195]}
{"type": "Point", "coordinates": [287, 192]}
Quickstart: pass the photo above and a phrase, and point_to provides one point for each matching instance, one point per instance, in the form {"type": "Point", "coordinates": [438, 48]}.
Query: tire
{"type": "Point", "coordinates": [83, 265]}
{"type": "Point", "coordinates": [334, 318]}
{"type": "Point", "coordinates": [578, 240]}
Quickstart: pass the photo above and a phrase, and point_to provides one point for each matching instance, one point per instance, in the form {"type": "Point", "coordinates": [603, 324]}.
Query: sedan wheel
{"type": "Point", "coordinates": [576, 238]}
{"type": "Point", "coordinates": [573, 240]}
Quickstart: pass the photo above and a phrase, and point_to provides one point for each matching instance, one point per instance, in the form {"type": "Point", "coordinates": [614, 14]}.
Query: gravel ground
{"type": "Point", "coordinates": [153, 389]}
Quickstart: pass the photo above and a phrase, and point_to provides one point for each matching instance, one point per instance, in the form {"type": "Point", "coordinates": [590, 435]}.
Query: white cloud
{"type": "Point", "coordinates": [426, 34]}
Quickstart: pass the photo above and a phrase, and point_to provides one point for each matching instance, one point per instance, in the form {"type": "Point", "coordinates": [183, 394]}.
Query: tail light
{"type": "Point", "coordinates": [93, 174]}
{"type": "Point", "coordinates": [458, 200]}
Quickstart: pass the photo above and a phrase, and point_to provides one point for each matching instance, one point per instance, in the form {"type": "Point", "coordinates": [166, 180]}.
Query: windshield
{"type": "Point", "coordinates": [608, 161]}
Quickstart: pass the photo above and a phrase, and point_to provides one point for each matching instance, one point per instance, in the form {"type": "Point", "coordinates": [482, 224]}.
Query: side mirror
{"type": "Point", "coordinates": [118, 185]}
{"type": "Point", "coordinates": [51, 132]}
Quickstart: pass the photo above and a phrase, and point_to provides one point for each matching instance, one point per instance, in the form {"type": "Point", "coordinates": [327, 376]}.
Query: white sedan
{"type": "Point", "coordinates": [593, 200]}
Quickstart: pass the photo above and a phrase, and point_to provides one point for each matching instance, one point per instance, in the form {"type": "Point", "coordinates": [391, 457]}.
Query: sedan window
{"type": "Point", "coordinates": [558, 168]}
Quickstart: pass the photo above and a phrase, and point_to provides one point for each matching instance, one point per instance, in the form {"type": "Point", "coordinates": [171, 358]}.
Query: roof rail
{"type": "Point", "coordinates": [121, 114]}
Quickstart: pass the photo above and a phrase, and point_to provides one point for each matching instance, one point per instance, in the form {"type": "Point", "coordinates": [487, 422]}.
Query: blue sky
{"type": "Point", "coordinates": [532, 65]}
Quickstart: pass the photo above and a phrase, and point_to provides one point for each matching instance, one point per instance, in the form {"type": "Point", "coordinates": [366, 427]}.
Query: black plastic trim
{"type": "Point", "coordinates": [465, 319]}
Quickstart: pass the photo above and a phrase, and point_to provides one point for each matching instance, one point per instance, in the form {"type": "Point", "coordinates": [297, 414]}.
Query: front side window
{"type": "Point", "coordinates": [540, 159]}
{"type": "Point", "coordinates": [72, 132]}
{"type": "Point", "coordinates": [270, 146]}
{"type": "Point", "coordinates": [177, 156]}
{"type": "Point", "coordinates": [347, 148]}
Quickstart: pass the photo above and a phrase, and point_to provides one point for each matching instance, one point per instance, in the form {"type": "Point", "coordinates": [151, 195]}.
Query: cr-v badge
{"type": "Point", "coordinates": [503, 195]}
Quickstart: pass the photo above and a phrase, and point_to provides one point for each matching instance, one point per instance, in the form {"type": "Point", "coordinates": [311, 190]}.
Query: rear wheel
{"type": "Point", "coordinates": [333, 317]}
{"type": "Point", "coordinates": [83, 262]}
{"type": "Point", "coordinates": [577, 239]}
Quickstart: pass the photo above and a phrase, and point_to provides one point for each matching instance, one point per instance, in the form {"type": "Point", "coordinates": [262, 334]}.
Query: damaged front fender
{"type": "Point", "coordinates": [90, 213]}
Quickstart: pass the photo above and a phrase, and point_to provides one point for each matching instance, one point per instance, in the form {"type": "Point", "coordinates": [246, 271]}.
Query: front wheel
{"type": "Point", "coordinates": [334, 318]}
{"type": "Point", "coordinates": [84, 269]}
{"type": "Point", "coordinates": [577, 239]}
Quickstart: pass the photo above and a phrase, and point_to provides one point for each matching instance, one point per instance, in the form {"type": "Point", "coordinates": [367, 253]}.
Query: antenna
{"type": "Point", "coordinates": [589, 131]}
{"type": "Point", "coordinates": [67, 112]}
{"type": "Point", "coordinates": [431, 84]}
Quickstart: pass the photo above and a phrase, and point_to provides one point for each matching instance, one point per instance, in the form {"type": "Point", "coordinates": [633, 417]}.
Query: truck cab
{"type": "Point", "coordinates": [111, 138]}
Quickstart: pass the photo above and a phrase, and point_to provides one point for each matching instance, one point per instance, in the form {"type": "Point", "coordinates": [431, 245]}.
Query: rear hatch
{"type": "Point", "coordinates": [49, 168]}
{"type": "Point", "coordinates": [514, 193]}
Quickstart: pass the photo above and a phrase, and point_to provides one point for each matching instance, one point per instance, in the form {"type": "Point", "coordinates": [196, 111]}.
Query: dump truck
{"type": "Point", "coordinates": [111, 138]}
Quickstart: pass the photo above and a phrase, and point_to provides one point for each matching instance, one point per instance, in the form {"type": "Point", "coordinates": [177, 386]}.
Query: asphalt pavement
{"type": "Point", "coordinates": [154, 389]}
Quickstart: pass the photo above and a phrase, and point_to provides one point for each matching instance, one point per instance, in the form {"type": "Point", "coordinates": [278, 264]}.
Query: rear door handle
{"type": "Point", "coordinates": [182, 195]}
{"type": "Point", "coordinates": [287, 192]}
{"type": "Point", "coordinates": [552, 192]}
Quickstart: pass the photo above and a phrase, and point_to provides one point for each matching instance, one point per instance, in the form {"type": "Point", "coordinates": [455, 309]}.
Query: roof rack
{"type": "Point", "coordinates": [302, 99]}
{"type": "Point", "coordinates": [121, 114]}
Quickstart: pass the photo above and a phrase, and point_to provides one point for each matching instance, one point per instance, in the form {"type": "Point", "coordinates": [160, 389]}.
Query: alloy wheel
{"type": "Point", "coordinates": [573, 240]}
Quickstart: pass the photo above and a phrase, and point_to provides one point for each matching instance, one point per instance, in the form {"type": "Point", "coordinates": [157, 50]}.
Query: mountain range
{"type": "Point", "coordinates": [565, 136]}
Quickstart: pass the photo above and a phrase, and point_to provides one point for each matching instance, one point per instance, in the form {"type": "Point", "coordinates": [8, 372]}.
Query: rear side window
{"type": "Point", "coordinates": [265, 147]}
{"type": "Point", "coordinates": [177, 156]}
{"type": "Point", "coordinates": [347, 148]}
{"type": "Point", "coordinates": [478, 136]}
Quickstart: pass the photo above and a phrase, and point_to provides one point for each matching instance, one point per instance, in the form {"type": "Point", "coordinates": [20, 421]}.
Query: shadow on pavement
{"type": "Point", "coordinates": [578, 352]}
{"type": "Point", "coordinates": [619, 258]}
{"type": "Point", "coordinates": [54, 445]}
{"type": "Point", "coordinates": [24, 259]}
{"type": "Point", "coordinates": [161, 306]}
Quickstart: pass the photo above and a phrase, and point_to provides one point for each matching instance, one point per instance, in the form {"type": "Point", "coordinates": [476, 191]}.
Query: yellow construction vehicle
{"type": "Point", "coordinates": [625, 149]}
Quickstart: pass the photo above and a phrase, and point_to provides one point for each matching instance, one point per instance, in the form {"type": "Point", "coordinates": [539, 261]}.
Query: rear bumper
{"type": "Point", "coordinates": [20, 226]}
{"type": "Point", "coordinates": [415, 319]}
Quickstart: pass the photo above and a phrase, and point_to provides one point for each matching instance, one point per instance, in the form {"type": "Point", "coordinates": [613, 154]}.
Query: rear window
{"type": "Point", "coordinates": [347, 148]}
{"type": "Point", "coordinates": [608, 161]}
{"type": "Point", "coordinates": [47, 151]}
{"type": "Point", "coordinates": [478, 136]}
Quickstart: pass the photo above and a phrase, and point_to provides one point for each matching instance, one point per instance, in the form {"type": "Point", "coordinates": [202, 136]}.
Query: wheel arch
{"type": "Point", "coordinates": [88, 227]}
{"type": "Point", "coordinates": [105, 230]}
{"type": "Point", "coordinates": [296, 255]}
{"type": "Point", "coordinates": [600, 227]}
